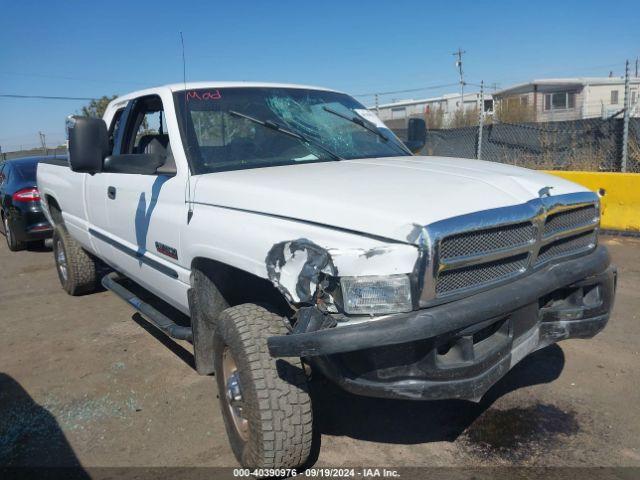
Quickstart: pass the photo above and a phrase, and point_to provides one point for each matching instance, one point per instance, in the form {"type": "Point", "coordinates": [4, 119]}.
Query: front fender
{"type": "Point", "coordinates": [279, 249]}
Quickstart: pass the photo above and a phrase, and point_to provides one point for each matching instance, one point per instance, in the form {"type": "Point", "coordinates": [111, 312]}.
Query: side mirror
{"type": "Point", "coordinates": [416, 134]}
{"type": "Point", "coordinates": [88, 143]}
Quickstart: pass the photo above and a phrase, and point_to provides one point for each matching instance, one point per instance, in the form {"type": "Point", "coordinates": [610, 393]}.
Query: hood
{"type": "Point", "coordinates": [386, 197]}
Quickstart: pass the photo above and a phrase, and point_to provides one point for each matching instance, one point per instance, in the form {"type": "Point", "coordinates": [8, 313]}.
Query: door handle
{"type": "Point", "coordinates": [111, 192]}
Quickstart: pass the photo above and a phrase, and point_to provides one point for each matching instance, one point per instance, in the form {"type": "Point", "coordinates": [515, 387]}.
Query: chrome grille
{"type": "Point", "coordinates": [569, 219]}
{"type": "Point", "coordinates": [479, 250]}
{"type": "Point", "coordinates": [478, 275]}
{"type": "Point", "coordinates": [488, 240]}
{"type": "Point", "coordinates": [567, 246]}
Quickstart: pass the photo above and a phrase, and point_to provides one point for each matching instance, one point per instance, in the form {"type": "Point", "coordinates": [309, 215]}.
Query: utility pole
{"type": "Point", "coordinates": [636, 66]}
{"type": "Point", "coordinates": [43, 142]}
{"type": "Point", "coordinates": [625, 127]}
{"type": "Point", "coordinates": [480, 121]}
{"type": "Point", "coordinates": [459, 54]}
{"type": "Point", "coordinates": [377, 105]}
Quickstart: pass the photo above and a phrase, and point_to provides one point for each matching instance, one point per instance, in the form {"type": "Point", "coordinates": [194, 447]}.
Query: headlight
{"type": "Point", "coordinates": [376, 294]}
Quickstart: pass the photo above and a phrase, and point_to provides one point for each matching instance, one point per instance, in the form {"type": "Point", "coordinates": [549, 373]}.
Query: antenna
{"type": "Point", "coordinates": [184, 131]}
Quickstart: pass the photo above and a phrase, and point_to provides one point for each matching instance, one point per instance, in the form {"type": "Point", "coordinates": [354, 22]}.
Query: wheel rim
{"type": "Point", "coordinates": [233, 394]}
{"type": "Point", "coordinates": [7, 232]}
{"type": "Point", "coordinates": [61, 260]}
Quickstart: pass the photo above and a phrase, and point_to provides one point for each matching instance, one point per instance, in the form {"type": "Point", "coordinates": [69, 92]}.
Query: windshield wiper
{"type": "Point", "coordinates": [277, 128]}
{"type": "Point", "coordinates": [360, 121]}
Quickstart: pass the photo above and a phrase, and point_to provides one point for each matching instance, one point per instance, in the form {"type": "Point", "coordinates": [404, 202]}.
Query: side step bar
{"type": "Point", "coordinates": [160, 320]}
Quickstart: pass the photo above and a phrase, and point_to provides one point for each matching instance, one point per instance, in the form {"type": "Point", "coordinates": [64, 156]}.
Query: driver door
{"type": "Point", "coordinates": [145, 212]}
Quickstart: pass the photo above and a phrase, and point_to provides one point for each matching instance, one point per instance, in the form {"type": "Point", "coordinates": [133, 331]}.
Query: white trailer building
{"type": "Point", "coordinates": [398, 112]}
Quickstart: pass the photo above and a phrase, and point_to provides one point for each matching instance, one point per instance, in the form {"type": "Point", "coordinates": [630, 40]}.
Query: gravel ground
{"type": "Point", "coordinates": [85, 381]}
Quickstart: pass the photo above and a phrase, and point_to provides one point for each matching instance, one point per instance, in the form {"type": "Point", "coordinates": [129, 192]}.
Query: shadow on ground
{"type": "Point", "coordinates": [30, 435]}
{"type": "Point", "coordinates": [178, 350]}
{"type": "Point", "coordinates": [410, 422]}
{"type": "Point", "coordinates": [39, 247]}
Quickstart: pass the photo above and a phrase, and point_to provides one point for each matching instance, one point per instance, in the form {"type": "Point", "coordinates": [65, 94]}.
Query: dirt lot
{"type": "Point", "coordinates": [84, 380]}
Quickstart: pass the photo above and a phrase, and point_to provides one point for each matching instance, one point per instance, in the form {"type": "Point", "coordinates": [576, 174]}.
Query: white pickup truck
{"type": "Point", "coordinates": [300, 235]}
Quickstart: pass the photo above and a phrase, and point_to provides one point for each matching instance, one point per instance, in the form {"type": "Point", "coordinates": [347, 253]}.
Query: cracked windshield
{"type": "Point", "coordinates": [235, 128]}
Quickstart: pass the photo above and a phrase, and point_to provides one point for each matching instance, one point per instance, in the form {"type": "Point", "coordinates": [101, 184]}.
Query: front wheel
{"type": "Point", "coordinates": [265, 402]}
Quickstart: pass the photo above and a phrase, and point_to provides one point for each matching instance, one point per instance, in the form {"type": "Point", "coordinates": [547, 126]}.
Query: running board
{"type": "Point", "coordinates": [158, 319]}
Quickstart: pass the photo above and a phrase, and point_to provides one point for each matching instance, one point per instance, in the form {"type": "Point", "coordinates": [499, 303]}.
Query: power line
{"type": "Point", "coordinates": [64, 77]}
{"type": "Point", "coordinates": [432, 87]}
{"type": "Point", "coordinates": [26, 135]}
{"type": "Point", "coordinates": [43, 97]}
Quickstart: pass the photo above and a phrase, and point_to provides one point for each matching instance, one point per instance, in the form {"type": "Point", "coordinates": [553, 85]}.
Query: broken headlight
{"type": "Point", "coordinates": [376, 294]}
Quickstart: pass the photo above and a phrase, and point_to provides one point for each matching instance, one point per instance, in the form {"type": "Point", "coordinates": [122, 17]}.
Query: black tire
{"type": "Point", "coordinates": [274, 393]}
{"type": "Point", "coordinates": [13, 244]}
{"type": "Point", "coordinates": [76, 268]}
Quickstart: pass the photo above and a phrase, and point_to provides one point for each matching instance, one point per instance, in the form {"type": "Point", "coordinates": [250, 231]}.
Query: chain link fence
{"type": "Point", "coordinates": [35, 152]}
{"type": "Point", "coordinates": [587, 145]}
{"type": "Point", "coordinates": [592, 144]}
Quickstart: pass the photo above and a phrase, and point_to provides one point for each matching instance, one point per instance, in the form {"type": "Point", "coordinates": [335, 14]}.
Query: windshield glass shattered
{"type": "Point", "coordinates": [217, 138]}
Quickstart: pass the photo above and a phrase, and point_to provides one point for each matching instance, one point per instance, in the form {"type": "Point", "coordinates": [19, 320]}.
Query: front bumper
{"type": "Point", "coordinates": [460, 349]}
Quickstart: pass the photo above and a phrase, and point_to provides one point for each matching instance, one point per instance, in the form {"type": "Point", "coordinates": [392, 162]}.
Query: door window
{"type": "Point", "coordinates": [145, 128]}
{"type": "Point", "coordinates": [152, 125]}
{"type": "Point", "coordinates": [114, 128]}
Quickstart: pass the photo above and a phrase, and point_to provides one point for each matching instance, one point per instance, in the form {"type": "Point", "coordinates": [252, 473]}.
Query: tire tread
{"type": "Point", "coordinates": [82, 276]}
{"type": "Point", "coordinates": [283, 407]}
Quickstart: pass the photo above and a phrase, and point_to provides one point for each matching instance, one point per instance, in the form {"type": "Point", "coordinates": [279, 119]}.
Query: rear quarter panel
{"type": "Point", "coordinates": [57, 181]}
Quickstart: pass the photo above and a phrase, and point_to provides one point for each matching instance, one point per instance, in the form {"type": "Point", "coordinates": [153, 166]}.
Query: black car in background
{"type": "Point", "coordinates": [20, 211]}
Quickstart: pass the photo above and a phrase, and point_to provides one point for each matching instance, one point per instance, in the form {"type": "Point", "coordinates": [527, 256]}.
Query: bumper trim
{"type": "Point", "coordinates": [445, 318]}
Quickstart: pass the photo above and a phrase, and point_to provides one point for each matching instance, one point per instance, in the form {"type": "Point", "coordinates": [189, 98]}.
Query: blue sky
{"type": "Point", "coordinates": [79, 48]}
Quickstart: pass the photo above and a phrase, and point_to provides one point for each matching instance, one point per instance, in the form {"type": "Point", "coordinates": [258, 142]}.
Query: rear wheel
{"type": "Point", "coordinates": [265, 402]}
{"type": "Point", "coordinates": [76, 268]}
{"type": "Point", "coordinates": [13, 244]}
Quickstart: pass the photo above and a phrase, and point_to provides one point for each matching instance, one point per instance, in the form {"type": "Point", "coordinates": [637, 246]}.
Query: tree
{"type": "Point", "coordinates": [97, 106]}
{"type": "Point", "coordinates": [514, 110]}
{"type": "Point", "coordinates": [464, 118]}
{"type": "Point", "coordinates": [434, 117]}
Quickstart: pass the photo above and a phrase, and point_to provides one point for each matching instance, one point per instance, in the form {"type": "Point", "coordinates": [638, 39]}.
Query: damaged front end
{"type": "Point", "coordinates": [345, 281]}
{"type": "Point", "coordinates": [451, 313]}
{"type": "Point", "coordinates": [457, 349]}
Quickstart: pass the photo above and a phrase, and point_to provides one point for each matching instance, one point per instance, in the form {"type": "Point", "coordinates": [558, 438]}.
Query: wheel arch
{"type": "Point", "coordinates": [238, 286]}
{"type": "Point", "coordinates": [53, 210]}
{"type": "Point", "coordinates": [216, 286]}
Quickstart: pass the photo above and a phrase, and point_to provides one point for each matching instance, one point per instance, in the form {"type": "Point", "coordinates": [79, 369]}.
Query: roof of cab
{"type": "Point", "coordinates": [191, 85]}
{"type": "Point", "coordinates": [174, 87]}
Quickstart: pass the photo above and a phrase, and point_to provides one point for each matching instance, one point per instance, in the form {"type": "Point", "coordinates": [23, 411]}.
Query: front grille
{"type": "Point", "coordinates": [478, 275]}
{"type": "Point", "coordinates": [488, 240]}
{"type": "Point", "coordinates": [567, 246]}
{"type": "Point", "coordinates": [468, 260]}
{"type": "Point", "coordinates": [569, 219]}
